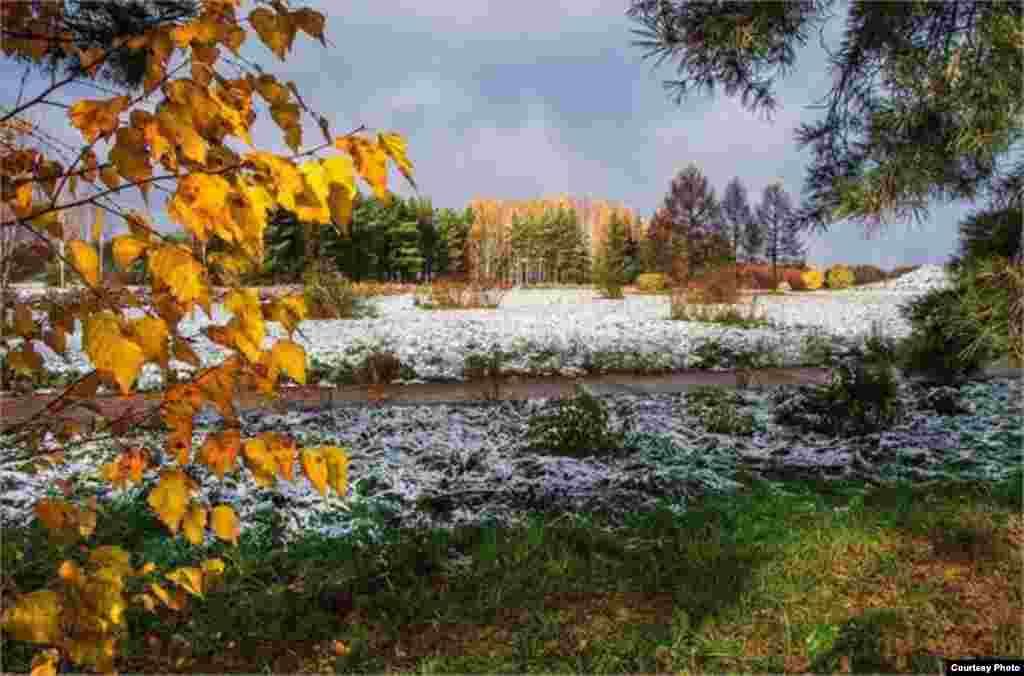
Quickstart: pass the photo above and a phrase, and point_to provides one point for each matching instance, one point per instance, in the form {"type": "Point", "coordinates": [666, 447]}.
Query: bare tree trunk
{"type": "Point", "coordinates": [4, 270]}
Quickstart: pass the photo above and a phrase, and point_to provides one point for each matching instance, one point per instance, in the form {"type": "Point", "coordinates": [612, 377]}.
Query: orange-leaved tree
{"type": "Point", "coordinates": [219, 192]}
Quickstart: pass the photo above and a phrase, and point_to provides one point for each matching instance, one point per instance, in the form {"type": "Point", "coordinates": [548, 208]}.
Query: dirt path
{"type": "Point", "coordinates": [14, 409]}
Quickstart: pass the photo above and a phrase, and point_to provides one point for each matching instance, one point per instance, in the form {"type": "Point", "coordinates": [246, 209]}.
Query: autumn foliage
{"type": "Point", "coordinates": [219, 193]}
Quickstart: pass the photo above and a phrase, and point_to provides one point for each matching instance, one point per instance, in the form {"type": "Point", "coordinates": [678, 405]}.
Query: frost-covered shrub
{"type": "Point", "coordinates": [651, 282]}
{"type": "Point", "coordinates": [839, 277]}
{"type": "Point", "coordinates": [812, 280]}
{"type": "Point", "coordinates": [577, 427]}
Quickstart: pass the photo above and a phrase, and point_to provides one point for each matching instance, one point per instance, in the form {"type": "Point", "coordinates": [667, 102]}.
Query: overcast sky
{"type": "Point", "coordinates": [533, 98]}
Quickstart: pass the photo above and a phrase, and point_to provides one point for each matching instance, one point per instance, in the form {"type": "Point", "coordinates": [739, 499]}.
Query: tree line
{"type": "Point", "coordinates": [409, 240]}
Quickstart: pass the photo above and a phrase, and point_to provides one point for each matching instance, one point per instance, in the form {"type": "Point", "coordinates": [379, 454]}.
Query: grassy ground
{"type": "Point", "coordinates": [830, 578]}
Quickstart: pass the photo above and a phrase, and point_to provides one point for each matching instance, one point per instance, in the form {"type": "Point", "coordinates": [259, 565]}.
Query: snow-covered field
{"type": "Point", "coordinates": [469, 462]}
{"type": "Point", "coordinates": [559, 332]}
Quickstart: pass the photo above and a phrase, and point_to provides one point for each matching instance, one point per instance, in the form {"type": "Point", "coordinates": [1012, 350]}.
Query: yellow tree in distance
{"type": "Point", "coordinates": [218, 193]}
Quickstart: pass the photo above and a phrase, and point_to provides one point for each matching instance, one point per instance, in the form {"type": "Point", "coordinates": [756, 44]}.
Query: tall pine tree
{"type": "Point", "coordinates": [694, 216]}
{"type": "Point", "coordinates": [775, 213]}
{"type": "Point", "coordinates": [737, 214]}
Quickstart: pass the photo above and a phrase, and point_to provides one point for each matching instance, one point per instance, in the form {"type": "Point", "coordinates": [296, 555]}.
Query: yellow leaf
{"type": "Point", "coordinates": [241, 341]}
{"type": "Point", "coordinates": [312, 202]}
{"type": "Point", "coordinates": [114, 354]}
{"type": "Point", "coordinates": [47, 175]}
{"type": "Point", "coordinates": [97, 118]}
{"type": "Point", "coordinates": [25, 360]}
{"type": "Point", "coordinates": [220, 451]}
{"type": "Point", "coordinates": [339, 203]}
{"type": "Point", "coordinates": [89, 160]}
{"type": "Point", "coordinates": [159, 145]}
{"type": "Point", "coordinates": [370, 161]}
{"type": "Point", "coordinates": [160, 593]}
{"type": "Point", "coordinates": [337, 468]}
{"type": "Point", "coordinates": [394, 146]}
{"type": "Point", "coordinates": [234, 109]}
{"type": "Point", "coordinates": [130, 156]}
{"type": "Point", "coordinates": [315, 466]}
{"type": "Point", "coordinates": [35, 617]}
{"type": "Point", "coordinates": [171, 497]}
{"type": "Point", "coordinates": [138, 227]}
{"type": "Point", "coordinates": [339, 169]}
{"type": "Point", "coordinates": [127, 248]}
{"type": "Point", "coordinates": [272, 91]}
{"type": "Point", "coordinates": [282, 449]}
{"type": "Point", "coordinates": [225, 523]}
{"type": "Point", "coordinates": [110, 177]}
{"type": "Point", "coordinates": [188, 577]}
{"type": "Point", "coordinates": [273, 30]}
{"type": "Point", "coordinates": [176, 123]}
{"type": "Point", "coordinates": [194, 524]}
{"type": "Point", "coordinates": [148, 602]}
{"type": "Point", "coordinates": [213, 567]}
{"type": "Point", "coordinates": [111, 556]}
{"type": "Point", "coordinates": [70, 573]}
{"type": "Point", "coordinates": [233, 36]}
{"type": "Point", "coordinates": [260, 460]}
{"type": "Point", "coordinates": [85, 260]}
{"type": "Point", "coordinates": [127, 468]}
{"type": "Point", "coordinates": [290, 358]}
{"type": "Point", "coordinates": [91, 651]}
{"type": "Point", "coordinates": [284, 178]}
{"type": "Point", "coordinates": [239, 299]}
{"type": "Point", "coordinates": [45, 663]}
{"type": "Point", "coordinates": [310, 22]}
{"type": "Point", "coordinates": [286, 115]}
{"type": "Point", "coordinates": [152, 335]}
{"type": "Point", "coordinates": [24, 325]}
{"type": "Point", "coordinates": [51, 222]}
{"type": "Point", "coordinates": [199, 30]}
{"type": "Point", "coordinates": [175, 267]}
{"type": "Point", "coordinates": [52, 513]}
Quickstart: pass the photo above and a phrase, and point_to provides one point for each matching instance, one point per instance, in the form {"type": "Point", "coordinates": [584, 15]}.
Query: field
{"type": "Point", "coordinates": [714, 535]}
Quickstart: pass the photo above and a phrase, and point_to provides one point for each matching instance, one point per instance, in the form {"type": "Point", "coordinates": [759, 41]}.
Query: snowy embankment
{"type": "Point", "coordinates": [469, 463]}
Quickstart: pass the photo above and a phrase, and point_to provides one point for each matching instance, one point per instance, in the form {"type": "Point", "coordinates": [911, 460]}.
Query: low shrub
{"type": "Point", "coordinates": [489, 366]}
{"type": "Point", "coordinates": [867, 274]}
{"type": "Point", "coordinates": [839, 277]}
{"type": "Point", "coordinates": [794, 278]}
{"type": "Point", "coordinates": [717, 411]}
{"type": "Point", "coordinates": [576, 427]}
{"type": "Point", "coordinates": [713, 286]}
{"type": "Point", "coordinates": [818, 350]}
{"type": "Point", "coordinates": [861, 399]}
{"type": "Point", "coordinates": [329, 295]}
{"type": "Point", "coordinates": [652, 282]}
{"type": "Point", "coordinates": [759, 276]}
{"type": "Point", "coordinates": [943, 400]}
{"type": "Point", "coordinates": [375, 288]}
{"type": "Point", "coordinates": [609, 282]}
{"type": "Point", "coordinates": [379, 368]}
{"type": "Point", "coordinates": [449, 293]}
{"type": "Point", "coordinates": [812, 280]}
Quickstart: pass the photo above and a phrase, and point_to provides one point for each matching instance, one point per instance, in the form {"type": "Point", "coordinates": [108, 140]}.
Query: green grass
{"type": "Point", "coordinates": [884, 580]}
